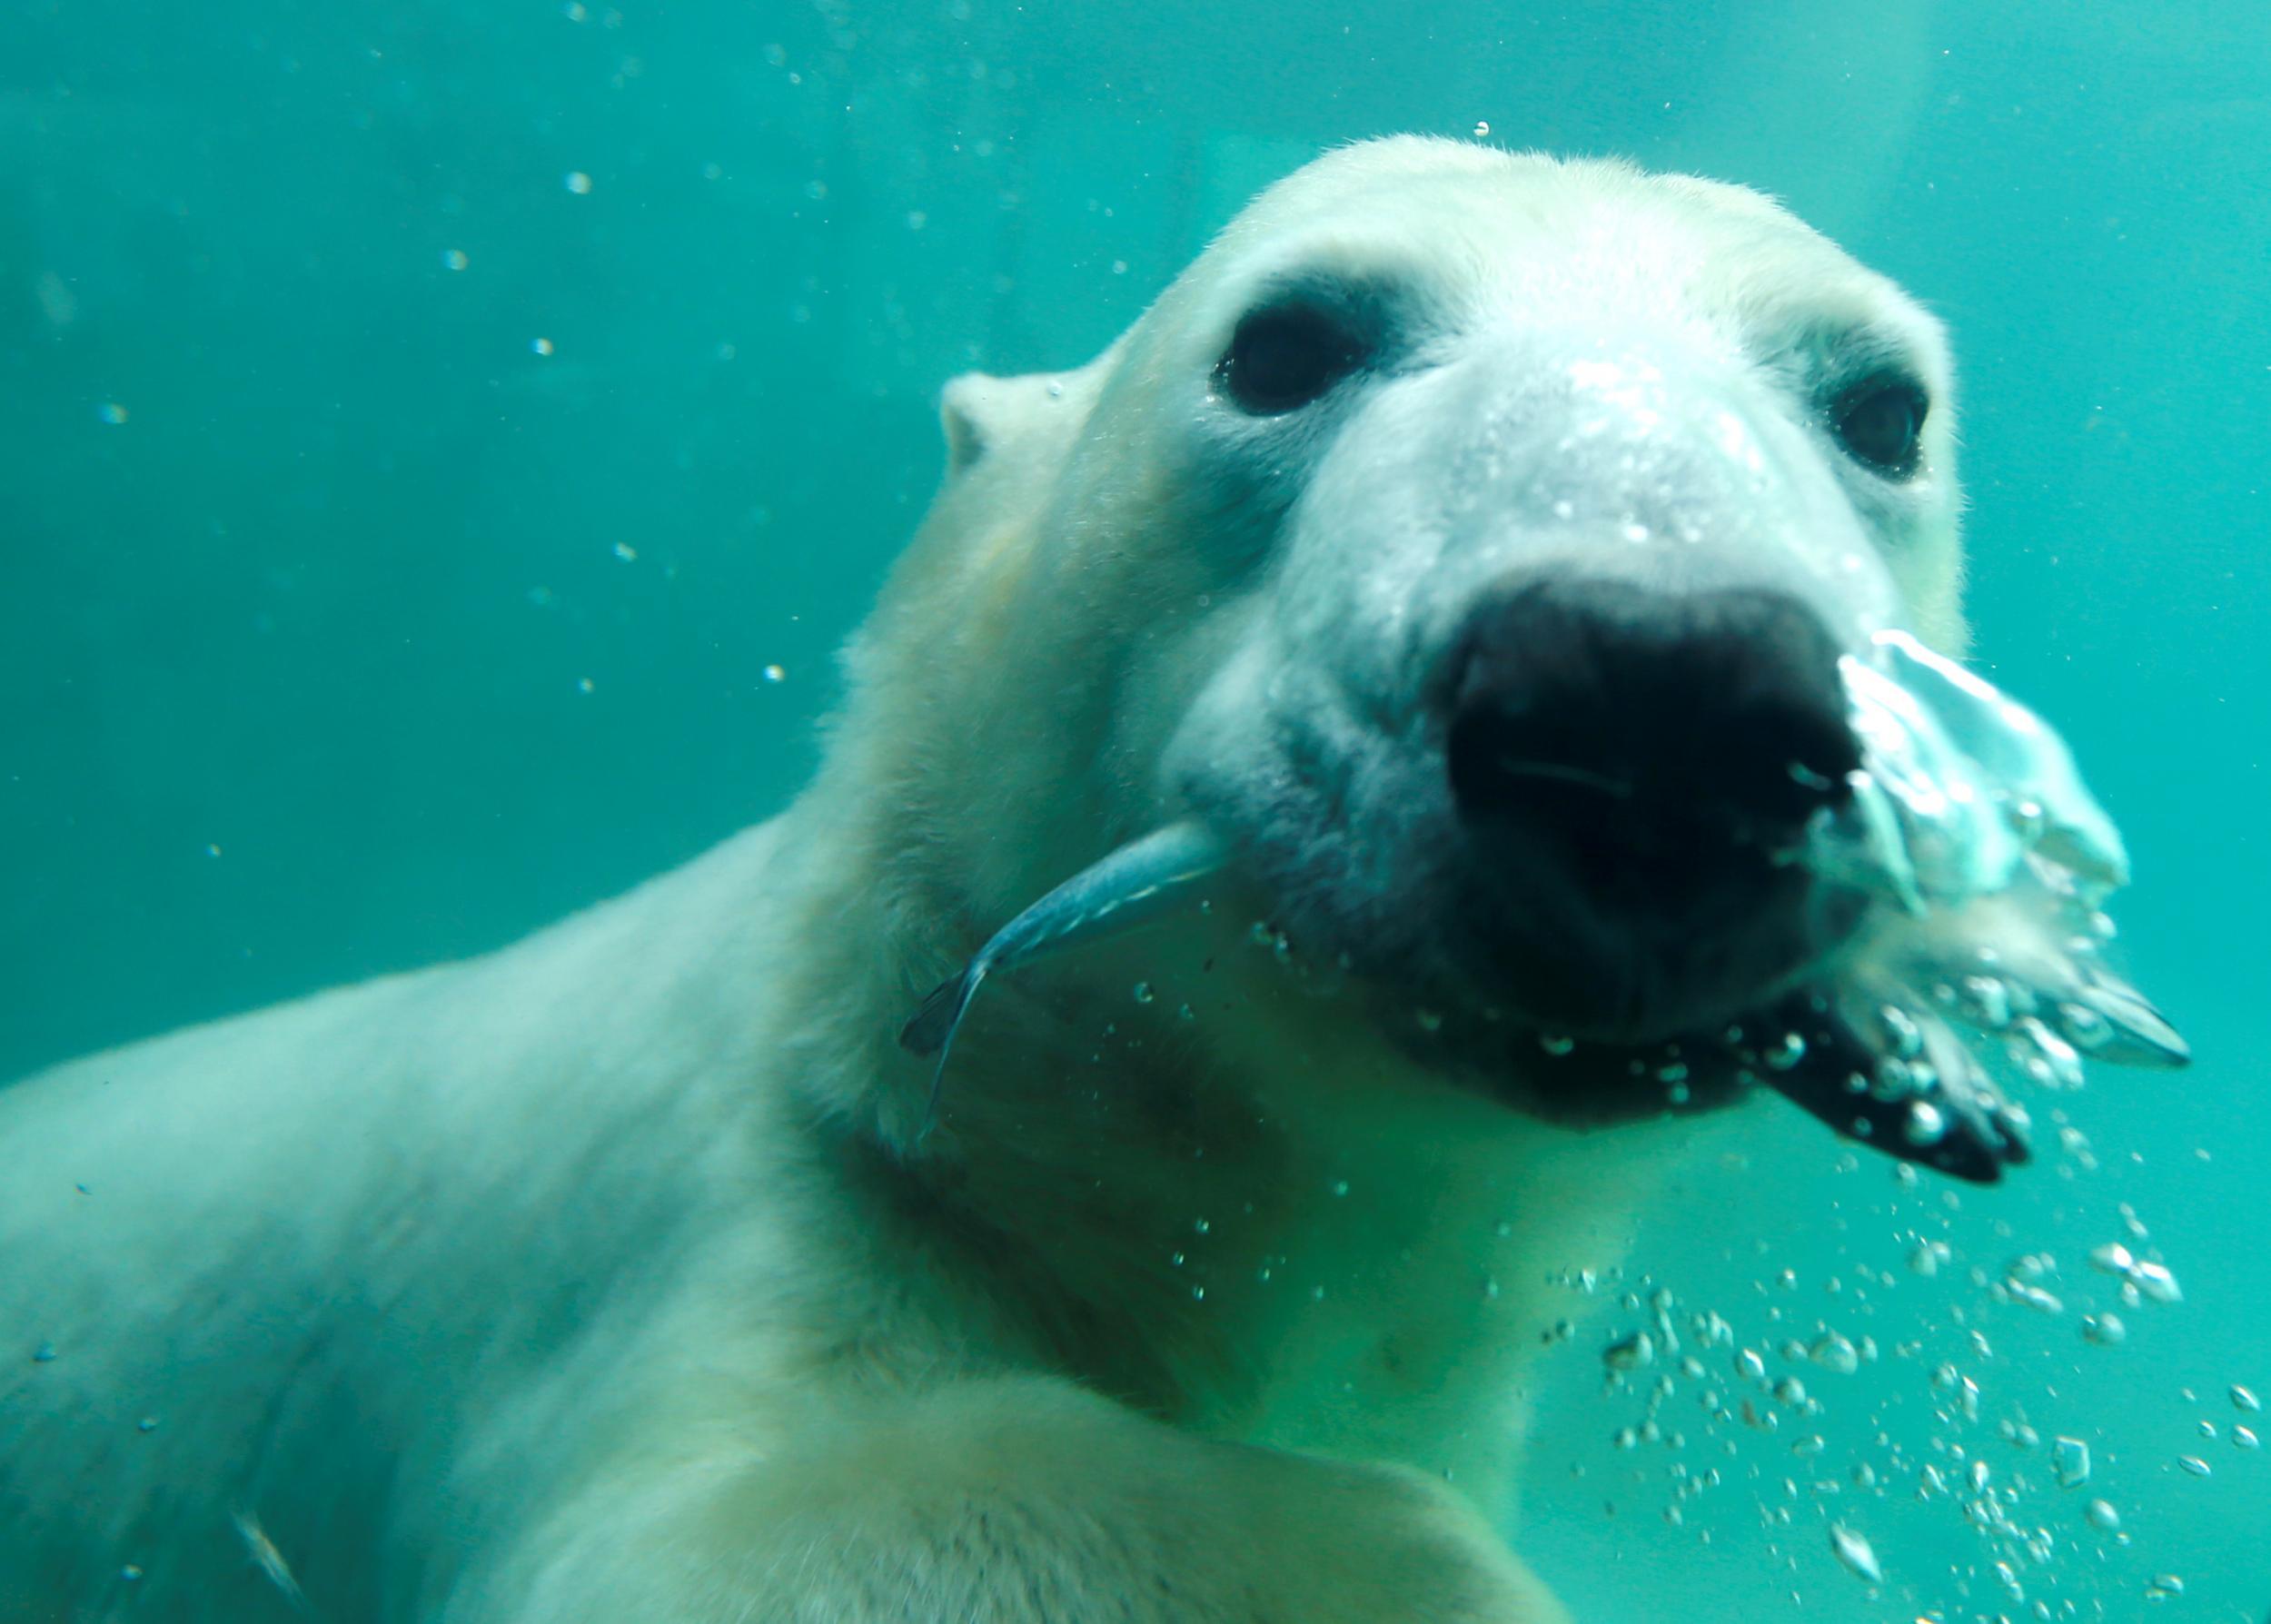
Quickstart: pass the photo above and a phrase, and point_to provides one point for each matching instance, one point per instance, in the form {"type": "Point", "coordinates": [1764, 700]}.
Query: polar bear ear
{"type": "Point", "coordinates": [982, 414]}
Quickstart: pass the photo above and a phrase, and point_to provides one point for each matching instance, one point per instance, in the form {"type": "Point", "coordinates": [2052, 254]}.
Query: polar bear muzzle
{"type": "Point", "coordinates": [1633, 771]}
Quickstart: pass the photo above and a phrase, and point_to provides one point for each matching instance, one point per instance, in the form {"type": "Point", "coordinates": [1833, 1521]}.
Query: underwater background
{"type": "Point", "coordinates": [442, 443]}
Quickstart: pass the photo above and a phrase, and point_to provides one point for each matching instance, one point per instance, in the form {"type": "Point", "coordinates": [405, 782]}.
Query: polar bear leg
{"type": "Point", "coordinates": [1009, 1501]}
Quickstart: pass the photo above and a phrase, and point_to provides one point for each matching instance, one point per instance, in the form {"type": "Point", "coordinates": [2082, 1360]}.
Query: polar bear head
{"type": "Point", "coordinates": [1469, 540]}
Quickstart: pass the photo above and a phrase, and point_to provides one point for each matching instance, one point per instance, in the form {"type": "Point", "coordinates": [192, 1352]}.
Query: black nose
{"type": "Point", "coordinates": [1660, 747]}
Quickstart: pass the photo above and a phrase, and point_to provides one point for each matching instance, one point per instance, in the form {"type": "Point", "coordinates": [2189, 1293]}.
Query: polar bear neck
{"type": "Point", "coordinates": [1248, 1220]}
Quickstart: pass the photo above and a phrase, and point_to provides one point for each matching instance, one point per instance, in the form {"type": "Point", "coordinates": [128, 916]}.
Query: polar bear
{"type": "Point", "coordinates": [1467, 540]}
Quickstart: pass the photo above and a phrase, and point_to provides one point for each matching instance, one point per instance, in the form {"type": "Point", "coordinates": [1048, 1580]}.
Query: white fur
{"type": "Point", "coordinates": [600, 1277]}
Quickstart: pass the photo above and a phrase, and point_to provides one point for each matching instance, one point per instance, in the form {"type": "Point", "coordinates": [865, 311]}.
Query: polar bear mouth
{"type": "Point", "coordinates": [1987, 862]}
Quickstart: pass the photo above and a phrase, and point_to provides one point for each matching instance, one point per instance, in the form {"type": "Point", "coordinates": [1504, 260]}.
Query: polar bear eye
{"type": "Point", "coordinates": [1879, 421]}
{"type": "Point", "coordinates": [1283, 356]}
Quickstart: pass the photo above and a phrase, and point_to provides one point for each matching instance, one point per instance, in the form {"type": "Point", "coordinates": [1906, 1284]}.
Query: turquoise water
{"type": "Point", "coordinates": [426, 430]}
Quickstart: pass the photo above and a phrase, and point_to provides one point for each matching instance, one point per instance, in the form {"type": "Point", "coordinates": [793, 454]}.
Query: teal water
{"type": "Point", "coordinates": [422, 426]}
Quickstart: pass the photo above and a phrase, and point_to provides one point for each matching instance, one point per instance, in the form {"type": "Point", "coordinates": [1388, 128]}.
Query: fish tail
{"type": "Point", "coordinates": [932, 1029]}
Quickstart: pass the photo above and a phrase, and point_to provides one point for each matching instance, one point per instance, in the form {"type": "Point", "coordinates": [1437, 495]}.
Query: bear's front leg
{"type": "Point", "coordinates": [1007, 1501]}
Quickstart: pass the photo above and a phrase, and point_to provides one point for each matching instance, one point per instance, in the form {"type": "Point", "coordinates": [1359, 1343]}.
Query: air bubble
{"type": "Point", "coordinates": [2102, 1515]}
{"type": "Point", "coordinates": [1144, 995]}
{"type": "Point", "coordinates": [1927, 1124]}
{"type": "Point", "coordinates": [2245, 1399]}
{"type": "Point", "coordinates": [577, 182]}
{"type": "Point", "coordinates": [1630, 1354]}
{"type": "Point", "coordinates": [1854, 1551]}
{"type": "Point", "coordinates": [2069, 1458]}
{"type": "Point", "coordinates": [1835, 1355]}
{"type": "Point", "coordinates": [2155, 1281]}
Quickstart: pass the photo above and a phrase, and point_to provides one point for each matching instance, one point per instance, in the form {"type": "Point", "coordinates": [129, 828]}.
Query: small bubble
{"type": "Point", "coordinates": [1629, 1354]}
{"type": "Point", "coordinates": [2194, 1465]}
{"type": "Point", "coordinates": [2163, 1587]}
{"type": "Point", "coordinates": [148, 1423]}
{"type": "Point", "coordinates": [540, 346]}
{"type": "Point", "coordinates": [2112, 1258]}
{"type": "Point", "coordinates": [111, 412]}
{"type": "Point", "coordinates": [1482, 129]}
{"type": "Point", "coordinates": [583, 685]}
{"type": "Point", "coordinates": [43, 1354]}
{"type": "Point", "coordinates": [1834, 1353]}
{"type": "Point", "coordinates": [130, 1572]}
{"type": "Point", "coordinates": [453, 259]}
{"type": "Point", "coordinates": [2245, 1399]}
{"type": "Point", "coordinates": [2244, 1438]}
{"type": "Point", "coordinates": [2069, 1458]}
{"type": "Point", "coordinates": [1927, 1124]}
{"type": "Point", "coordinates": [1750, 1366]}
{"type": "Point", "coordinates": [627, 553]}
{"type": "Point", "coordinates": [1855, 1552]}
{"type": "Point", "coordinates": [2157, 1283]}
{"type": "Point", "coordinates": [1340, 1186]}
{"type": "Point", "coordinates": [1428, 1020]}
{"type": "Point", "coordinates": [2105, 1330]}
{"type": "Point", "coordinates": [776, 673]}
{"type": "Point", "coordinates": [577, 182]}
{"type": "Point", "coordinates": [1144, 995]}
{"type": "Point", "coordinates": [1555, 1044]}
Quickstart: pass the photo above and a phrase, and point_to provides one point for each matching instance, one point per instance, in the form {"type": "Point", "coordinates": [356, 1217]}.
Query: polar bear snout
{"type": "Point", "coordinates": [1631, 769]}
